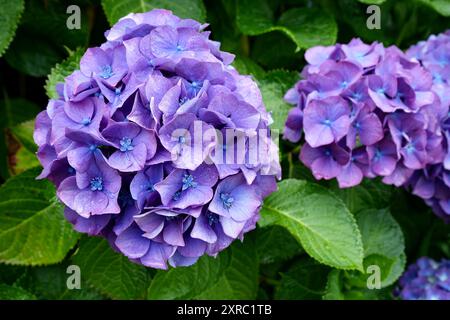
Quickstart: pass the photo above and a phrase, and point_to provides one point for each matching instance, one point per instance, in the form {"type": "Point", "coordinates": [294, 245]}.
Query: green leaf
{"type": "Point", "coordinates": [14, 112]}
{"type": "Point", "coordinates": [9, 274]}
{"type": "Point", "coordinates": [25, 157]}
{"type": "Point", "coordinates": [233, 274]}
{"type": "Point", "coordinates": [440, 6]}
{"type": "Point", "coordinates": [306, 27]}
{"type": "Point", "coordinates": [23, 160]}
{"type": "Point", "coordinates": [273, 87]}
{"type": "Point", "coordinates": [9, 20]}
{"type": "Point", "coordinates": [33, 230]}
{"type": "Point", "coordinates": [306, 280]}
{"type": "Point", "coordinates": [319, 220]}
{"type": "Point", "coordinates": [275, 243]}
{"type": "Point", "coordinates": [34, 60]}
{"type": "Point", "coordinates": [337, 290]}
{"type": "Point", "coordinates": [24, 134]}
{"type": "Point", "coordinates": [109, 272]}
{"type": "Point", "coordinates": [265, 50]}
{"type": "Point", "coordinates": [384, 247]}
{"type": "Point", "coordinates": [14, 293]}
{"type": "Point", "coordinates": [50, 283]}
{"type": "Point", "coordinates": [247, 66]}
{"type": "Point", "coordinates": [334, 286]}
{"type": "Point", "coordinates": [369, 194]}
{"type": "Point", "coordinates": [51, 17]}
{"type": "Point", "coordinates": [309, 27]}
{"type": "Point", "coordinates": [116, 9]}
{"type": "Point", "coordinates": [60, 71]}
{"type": "Point", "coordinates": [380, 233]}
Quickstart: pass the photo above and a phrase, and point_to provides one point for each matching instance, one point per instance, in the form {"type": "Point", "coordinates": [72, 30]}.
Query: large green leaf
{"type": "Point", "coordinates": [33, 230]}
{"type": "Point", "coordinates": [273, 87]}
{"type": "Point", "coordinates": [24, 134]}
{"type": "Point", "coordinates": [50, 283]}
{"type": "Point", "coordinates": [14, 293]}
{"type": "Point", "coordinates": [60, 71]}
{"type": "Point", "coordinates": [370, 194]}
{"type": "Point", "coordinates": [14, 112]}
{"type": "Point", "coordinates": [247, 66]}
{"type": "Point", "coordinates": [109, 272]}
{"type": "Point", "coordinates": [233, 274]}
{"type": "Point", "coordinates": [35, 60]}
{"type": "Point", "coordinates": [384, 247]}
{"type": "Point", "coordinates": [52, 18]}
{"type": "Point", "coordinates": [307, 27]}
{"type": "Point", "coordinates": [441, 6]}
{"type": "Point", "coordinates": [381, 234]}
{"type": "Point", "coordinates": [319, 220]}
{"type": "Point", "coordinates": [9, 19]}
{"type": "Point", "coordinates": [116, 9]}
{"type": "Point", "coordinates": [306, 280]}
{"type": "Point", "coordinates": [336, 289]}
{"type": "Point", "coordinates": [24, 157]}
{"type": "Point", "coordinates": [275, 243]}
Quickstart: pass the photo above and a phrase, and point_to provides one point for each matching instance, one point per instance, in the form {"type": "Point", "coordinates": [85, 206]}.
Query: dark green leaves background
{"type": "Point", "coordinates": [314, 241]}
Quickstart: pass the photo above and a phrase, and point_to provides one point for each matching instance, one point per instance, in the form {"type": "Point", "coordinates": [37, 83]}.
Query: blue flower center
{"type": "Point", "coordinates": [357, 125]}
{"type": "Point", "coordinates": [106, 72]}
{"type": "Point", "coordinates": [381, 91]}
{"type": "Point", "coordinates": [327, 122]}
{"type": "Point", "coordinates": [437, 78]}
{"type": "Point", "coordinates": [183, 100]}
{"type": "Point", "coordinates": [176, 196]}
{"type": "Point", "coordinates": [378, 154]}
{"type": "Point", "coordinates": [150, 187]}
{"type": "Point", "coordinates": [93, 147]}
{"type": "Point", "coordinates": [71, 170]}
{"type": "Point", "coordinates": [196, 85]}
{"type": "Point", "coordinates": [410, 148]}
{"type": "Point", "coordinates": [181, 140]}
{"type": "Point", "coordinates": [126, 144]}
{"type": "Point", "coordinates": [86, 121]}
{"type": "Point", "coordinates": [227, 200]}
{"type": "Point", "coordinates": [357, 96]}
{"type": "Point", "coordinates": [344, 84]}
{"type": "Point", "coordinates": [188, 182]}
{"type": "Point", "coordinates": [97, 184]}
{"type": "Point", "coordinates": [179, 48]}
{"type": "Point", "coordinates": [212, 218]}
{"type": "Point", "coordinates": [118, 91]}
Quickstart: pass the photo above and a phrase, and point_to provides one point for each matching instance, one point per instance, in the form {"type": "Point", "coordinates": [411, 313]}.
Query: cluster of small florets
{"type": "Point", "coordinates": [122, 147]}
{"type": "Point", "coordinates": [425, 280]}
{"type": "Point", "coordinates": [433, 183]}
{"type": "Point", "coordinates": [366, 111]}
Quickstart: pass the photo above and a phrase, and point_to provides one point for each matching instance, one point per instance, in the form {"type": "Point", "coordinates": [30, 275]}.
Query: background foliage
{"type": "Point", "coordinates": [314, 241]}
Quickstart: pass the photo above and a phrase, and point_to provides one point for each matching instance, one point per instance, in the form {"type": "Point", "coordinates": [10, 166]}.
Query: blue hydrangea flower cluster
{"type": "Point", "coordinates": [366, 111]}
{"type": "Point", "coordinates": [433, 182]}
{"type": "Point", "coordinates": [425, 280]}
{"type": "Point", "coordinates": [120, 143]}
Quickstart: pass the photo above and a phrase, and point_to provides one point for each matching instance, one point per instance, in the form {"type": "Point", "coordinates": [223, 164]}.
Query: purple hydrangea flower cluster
{"type": "Point", "coordinates": [366, 111]}
{"type": "Point", "coordinates": [122, 143]}
{"type": "Point", "coordinates": [433, 182]}
{"type": "Point", "coordinates": [425, 280]}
